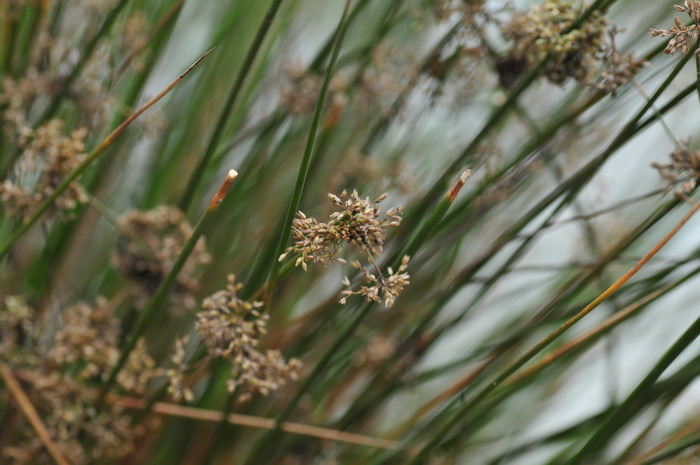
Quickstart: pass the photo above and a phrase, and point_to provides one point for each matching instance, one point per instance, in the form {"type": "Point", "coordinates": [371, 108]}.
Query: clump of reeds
{"type": "Point", "coordinates": [455, 330]}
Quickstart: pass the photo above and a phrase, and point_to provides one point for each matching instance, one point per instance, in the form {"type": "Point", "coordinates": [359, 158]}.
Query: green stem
{"type": "Point", "coordinates": [155, 305]}
{"type": "Point", "coordinates": [215, 138]}
{"type": "Point", "coordinates": [629, 408]}
{"type": "Point", "coordinates": [308, 152]}
{"type": "Point", "coordinates": [486, 391]}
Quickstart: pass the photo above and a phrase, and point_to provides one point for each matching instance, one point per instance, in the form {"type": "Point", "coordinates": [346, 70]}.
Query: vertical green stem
{"type": "Point", "coordinates": [229, 106]}
{"type": "Point", "coordinates": [308, 152]}
{"type": "Point", "coordinates": [155, 305]}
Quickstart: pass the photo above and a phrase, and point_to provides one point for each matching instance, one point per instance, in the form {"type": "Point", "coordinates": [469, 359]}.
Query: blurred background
{"type": "Point", "coordinates": [566, 194]}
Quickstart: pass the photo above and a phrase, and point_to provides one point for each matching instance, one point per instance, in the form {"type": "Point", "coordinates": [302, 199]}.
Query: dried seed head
{"type": "Point", "coordinates": [16, 325]}
{"type": "Point", "coordinates": [684, 170]}
{"type": "Point", "coordinates": [618, 69]}
{"type": "Point", "coordinates": [64, 384]}
{"type": "Point", "coordinates": [357, 221]}
{"type": "Point", "coordinates": [148, 246]}
{"type": "Point", "coordinates": [52, 155]}
{"type": "Point", "coordinates": [232, 328]}
{"type": "Point", "coordinates": [542, 31]}
{"type": "Point", "coordinates": [176, 375]}
{"type": "Point", "coordinates": [378, 288]}
{"type": "Point", "coordinates": [683, 37]}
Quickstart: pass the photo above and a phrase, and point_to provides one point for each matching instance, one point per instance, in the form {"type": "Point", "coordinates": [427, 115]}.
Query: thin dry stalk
{"type": "Point", "coordinates": [163, 408]}
{"type": "Point", "coordinates": [583, 338]}
{"type": "Point", "coordinates": [683, 433]}
{"type": "Point", "coordinates": [30, 412]}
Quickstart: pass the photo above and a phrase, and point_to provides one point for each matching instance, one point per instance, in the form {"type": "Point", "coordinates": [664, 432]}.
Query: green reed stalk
{"type": "Point", "coordinates": [307, 157]}
{"type": "Point", "coordinates": [155, 305]}
{"type": "Point", "coordinates": [229, 105]}
{"type": "Point", "coordinates": [537, 348]}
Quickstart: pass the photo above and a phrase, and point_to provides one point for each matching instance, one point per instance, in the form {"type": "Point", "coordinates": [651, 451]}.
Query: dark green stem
{"type": "Point", "coordinates": [308, 152]}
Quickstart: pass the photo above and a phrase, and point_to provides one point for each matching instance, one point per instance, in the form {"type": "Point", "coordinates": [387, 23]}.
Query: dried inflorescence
{"type": "Point", "coordinates": [378, 349]}
{"type": "Point", "coordinates": [618, 68]}
{"type": "Point", "coordinates": [148, 246]}
{"type": "Point", "coordinates": [358, 221]}
{"type": "Point", "coordinates": [64, 382]}
{"type": "Point", "coordinates": [378, 287]}
{"type": "Point", "coordinates": [47, 157]}
{"type": "Point", "coordinates": [545, 31]}
{"type": "Point", "coordinates": [682, 35]}
{"type": "Point", "coordinates": [684, 169]}
{"type": "Point", "coordinates": [16, 96]}
{"type": "Point", "coordinates": [232, 328]}
{"type": "Point", "coordinates": [177, 387]}
{"type": "Point", "coordinates": [16, 324]}
{"type": "Point", "coordinates": [301, 95]}
{"type": "Point", "coordinates": [444, 9]}
{"type": "Point", "coordinates": [391, 69]}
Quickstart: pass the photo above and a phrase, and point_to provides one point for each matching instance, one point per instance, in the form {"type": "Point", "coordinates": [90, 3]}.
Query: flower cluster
{"type": "Point", "coordinates": [378, 288]}
{"type": "Point", "coordinates": [148, 246]}
{"type": "Point", "coordinates": [545, 30]}
{"type": "Point", "coordinates": [15, 325]}
{"type": "Point", "coordinates": [176, 376]}
{"type": "Point", "coordinates": [53, 155]}
{"type": "Point", "coordinates": [301, 95]}
{"type": "Point", "coordinates": [358, 221]}
{"type": "Point", "coordinates": [618, 68]}
{"type": "Point", "coordinates": [64, 383]}
{"type": "Point", "coordinates": [682, 35]}
{"type": "Point", "coordinates": [684, 169]}
{"type": "Point", "coordinates": [232, 328]}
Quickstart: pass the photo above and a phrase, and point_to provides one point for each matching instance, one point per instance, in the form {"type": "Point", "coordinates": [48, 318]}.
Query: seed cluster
{"type": "Point", "coordinates": [684, 169]}
{"type": "Point", "coordinates": [617, 68]}
{"type": "Point", "coordinates": [148, 246]}
{"type": "Point", "coordinates": [683, 36]}
{"type": "Point", "coordinates": [357, 222]}
{"type": "Point", "coordinates": [47, 157]}
{"type": "Point", "coordinates": [64, 380]}
{"type": "Point", "coordinates": [544, 31]}
{"type": "Point", "coordinates": [232, 328]}
{"type": "Point", "coordinates": [377, 287]}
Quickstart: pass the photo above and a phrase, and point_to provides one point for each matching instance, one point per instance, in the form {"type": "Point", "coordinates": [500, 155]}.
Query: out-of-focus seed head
{"type": "Point", "coordinates": [543, 31]}
{"type": "Point", "coordinates": [148, 246]}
